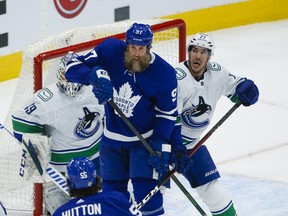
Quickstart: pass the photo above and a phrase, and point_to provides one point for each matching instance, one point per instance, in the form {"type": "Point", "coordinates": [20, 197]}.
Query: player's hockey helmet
{"type": "Point", "coordinates": [201, 40]}
{"type": "Point", "coordinates": [81, 173]}
{"type": "Point", "coordinates": [139, 34]}
{"type": "Point", "coordinates": [68, 88]}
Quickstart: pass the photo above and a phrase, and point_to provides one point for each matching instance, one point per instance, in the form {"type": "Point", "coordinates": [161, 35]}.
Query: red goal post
{"type": "Point", "coordinates": [40, 58]}
{"type": "Point", "coordinates": [38, 69]}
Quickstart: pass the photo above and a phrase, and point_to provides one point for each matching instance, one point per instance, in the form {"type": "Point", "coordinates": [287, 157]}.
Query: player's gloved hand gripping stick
{"type": "Point", "coordinates": [102, 86]}
{"type": "Point", "coordinates": [191, 152]}
{"type": "Point", "coordinates": [103, 91]}
{"type": "Point", "coordinates": [144, 142]}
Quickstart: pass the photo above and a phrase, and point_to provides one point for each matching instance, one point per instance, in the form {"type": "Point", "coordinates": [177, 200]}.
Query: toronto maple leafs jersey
{"type": "Point", "coordinates": [74, 125]}
{"type": "Point", "coordinates": [197, 99]}
{"type": "Point", "coordinates": [148, 99]}
{"type": "Point", "coordinates": [110, 203]}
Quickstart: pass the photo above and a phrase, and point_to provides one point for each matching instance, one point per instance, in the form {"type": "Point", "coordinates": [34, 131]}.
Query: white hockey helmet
{"type": "Point", "coordinates": [201, 40]}
{"type": "Point", "coordinates": [70, 89]}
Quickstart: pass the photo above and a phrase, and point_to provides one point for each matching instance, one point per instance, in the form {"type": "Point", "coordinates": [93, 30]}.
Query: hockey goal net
{"type": "Point", "coordinates": [22, 197]}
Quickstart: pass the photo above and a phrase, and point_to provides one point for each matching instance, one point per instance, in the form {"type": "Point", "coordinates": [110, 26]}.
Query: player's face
{"type": "Point", "coordinates": [137, 58]}
{"type": "Point", "coordinates": [198, 59]}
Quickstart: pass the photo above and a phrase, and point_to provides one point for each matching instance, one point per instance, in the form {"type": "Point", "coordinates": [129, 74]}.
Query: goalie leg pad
{"type": "Point", "coordinates": [53, 197]}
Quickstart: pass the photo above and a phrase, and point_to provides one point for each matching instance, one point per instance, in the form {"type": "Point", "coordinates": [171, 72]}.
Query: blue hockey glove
{"type": "Point", "coordinates": [180, 159]}
{"type": "Point", "coordinates": [102, 86]}
{"type": "Point", "coordinates": [247, 92]}
{"type": "Point", "coordinates": [160, 160]}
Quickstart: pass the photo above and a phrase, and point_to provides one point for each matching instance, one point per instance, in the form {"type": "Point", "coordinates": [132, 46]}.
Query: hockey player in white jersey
{"type": "Point", "coordinates": [70, 115]}
{"type": "Point", "coordinates": [201, 83]}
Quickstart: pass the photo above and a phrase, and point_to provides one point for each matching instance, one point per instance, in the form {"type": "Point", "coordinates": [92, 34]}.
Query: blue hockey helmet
{"type": "Point", "coordinates": [139, 34]}
{"type": "Point", "coordinates": [81, 173]}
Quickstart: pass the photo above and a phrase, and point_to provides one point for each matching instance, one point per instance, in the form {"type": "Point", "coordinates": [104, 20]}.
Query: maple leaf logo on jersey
{"type": "Point", "coordinates": [125, 101]}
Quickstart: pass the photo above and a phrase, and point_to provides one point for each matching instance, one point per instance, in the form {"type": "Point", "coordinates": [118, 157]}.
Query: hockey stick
{"type": "Point", "coordinates": [191, 152]}
{"type": "Point", "coordinates": [213, 129]}
{"type": "Point", "coordinates": [51, 171]}
{"type": "Point", "coordinates": [148, 147]}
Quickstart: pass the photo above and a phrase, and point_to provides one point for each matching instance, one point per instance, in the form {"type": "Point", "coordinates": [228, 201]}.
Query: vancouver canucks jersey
{"type": "Point", "coordinates": [74, 125]}
{"type": "Point", "coordinates": [197, 99]}
{"type": "Point", "coordinates": [148, 98]}
{"type": "Point", "coordinates": [110, 203]}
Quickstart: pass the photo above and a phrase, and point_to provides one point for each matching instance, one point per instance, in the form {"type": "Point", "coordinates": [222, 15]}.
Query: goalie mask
{"type": "Point", "coordinates": [70, 89]}
{"type": "Point", "coordinates": [201, 40]}
{"type": "Point", "coordinates": [81, 173]}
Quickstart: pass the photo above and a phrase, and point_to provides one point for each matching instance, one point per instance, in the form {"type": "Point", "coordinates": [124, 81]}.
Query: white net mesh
{"type": "Point", "coordinates": [14, 192]}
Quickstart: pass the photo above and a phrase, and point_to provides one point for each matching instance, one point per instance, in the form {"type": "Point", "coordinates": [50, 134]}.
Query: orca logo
{"type": "Point", "coordinates": [69, 8]}
{"type": "Point", "coordinates": [196, 116]}
{"type": "Point", "coordinates": [88, 125]}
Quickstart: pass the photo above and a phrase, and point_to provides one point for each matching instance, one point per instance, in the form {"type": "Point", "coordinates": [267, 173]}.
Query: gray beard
{"type": "Point", "coordinates": [136, 66]}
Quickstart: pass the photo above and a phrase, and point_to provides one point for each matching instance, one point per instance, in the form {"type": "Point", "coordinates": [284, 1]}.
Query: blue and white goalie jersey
{"type": "Point", "coordinates": [197, 99]}
{"type": "Point", "coordinates": [74, 125]}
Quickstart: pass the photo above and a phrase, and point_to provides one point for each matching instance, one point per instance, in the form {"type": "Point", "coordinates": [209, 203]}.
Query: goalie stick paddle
{"type": "Point", "coordinates": [144, 142]}
{"type": "Point", "coordinates": [51, 171]}
{"type": "Point", "coordinates": [191, 152]}
{"type": "Point", "coordinates": [34, 156]}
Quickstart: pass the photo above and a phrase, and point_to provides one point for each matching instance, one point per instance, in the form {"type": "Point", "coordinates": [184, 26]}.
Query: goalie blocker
{"type": "Point", "coordinates": [54, 192]}
{"type": "Point", "coordinates": [36, 168]}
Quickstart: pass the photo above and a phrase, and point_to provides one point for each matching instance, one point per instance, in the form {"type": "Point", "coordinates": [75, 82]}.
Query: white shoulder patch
{"type": "Point", "coordinates": [213, 66]}
{"type": "Point", "coordinates": [45, 94]}
{"type": "Point", "coordinates": [180, 73]}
